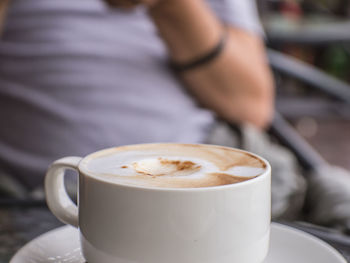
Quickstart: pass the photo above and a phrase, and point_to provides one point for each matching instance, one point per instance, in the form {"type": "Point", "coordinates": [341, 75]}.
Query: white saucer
{"type": "Point", "coordinates": [288, 245]}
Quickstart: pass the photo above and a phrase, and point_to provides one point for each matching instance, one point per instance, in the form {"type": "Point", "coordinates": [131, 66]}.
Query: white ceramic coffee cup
{"type": "Point", "coordinates": [134, 224]}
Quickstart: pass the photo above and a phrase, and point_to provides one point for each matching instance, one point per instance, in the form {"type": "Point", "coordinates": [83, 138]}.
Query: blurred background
{"type": "Point", "coordinates": [312, 80]}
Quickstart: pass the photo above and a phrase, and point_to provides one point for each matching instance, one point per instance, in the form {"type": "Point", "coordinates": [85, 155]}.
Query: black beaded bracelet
{"type": "Point", "coordinates": [212, 54]}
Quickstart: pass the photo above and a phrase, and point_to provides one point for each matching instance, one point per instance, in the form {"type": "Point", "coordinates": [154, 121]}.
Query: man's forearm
{"type": "Point", "coordinates": [188, 27]}
{"type": "Point", "coordinates": [237, 84]}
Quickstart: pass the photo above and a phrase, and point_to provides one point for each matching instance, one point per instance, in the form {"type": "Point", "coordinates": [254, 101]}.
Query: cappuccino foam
{"type": "Point", "coordinates": [174, 165]}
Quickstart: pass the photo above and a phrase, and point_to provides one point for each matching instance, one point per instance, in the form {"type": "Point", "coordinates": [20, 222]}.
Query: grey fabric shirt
{"type": "Point", "coordinates": [76, 77]}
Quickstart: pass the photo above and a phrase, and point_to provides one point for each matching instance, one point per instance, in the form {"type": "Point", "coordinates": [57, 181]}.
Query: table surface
{"type": "Point", "coordinates": [19, 225]}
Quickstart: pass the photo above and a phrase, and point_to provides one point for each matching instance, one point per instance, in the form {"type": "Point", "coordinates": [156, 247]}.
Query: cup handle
{"type": "Point", "coordinates": [57, 198]}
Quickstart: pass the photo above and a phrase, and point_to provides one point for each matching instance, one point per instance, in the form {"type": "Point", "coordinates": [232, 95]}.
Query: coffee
{"type": "Point", "coordinates": [166, 203]}
{"type": "Point", "coordinates": [174, 165]}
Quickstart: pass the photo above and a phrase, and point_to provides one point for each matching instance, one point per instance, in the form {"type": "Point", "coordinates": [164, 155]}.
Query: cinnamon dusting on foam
{"type": "Point", "coordinates": [180, 165]}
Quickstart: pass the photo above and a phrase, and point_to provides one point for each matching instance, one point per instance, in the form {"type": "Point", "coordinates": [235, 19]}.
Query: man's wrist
{"type": "Point", "coordinates": [202, 60]}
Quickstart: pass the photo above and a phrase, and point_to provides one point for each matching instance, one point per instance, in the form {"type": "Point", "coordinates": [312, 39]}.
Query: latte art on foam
{"type": "Point", "coordinates": [174, 165]}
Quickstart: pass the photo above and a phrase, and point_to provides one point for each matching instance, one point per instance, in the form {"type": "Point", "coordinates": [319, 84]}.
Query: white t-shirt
{"type": "Point", "coordinates": [76, 77]}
